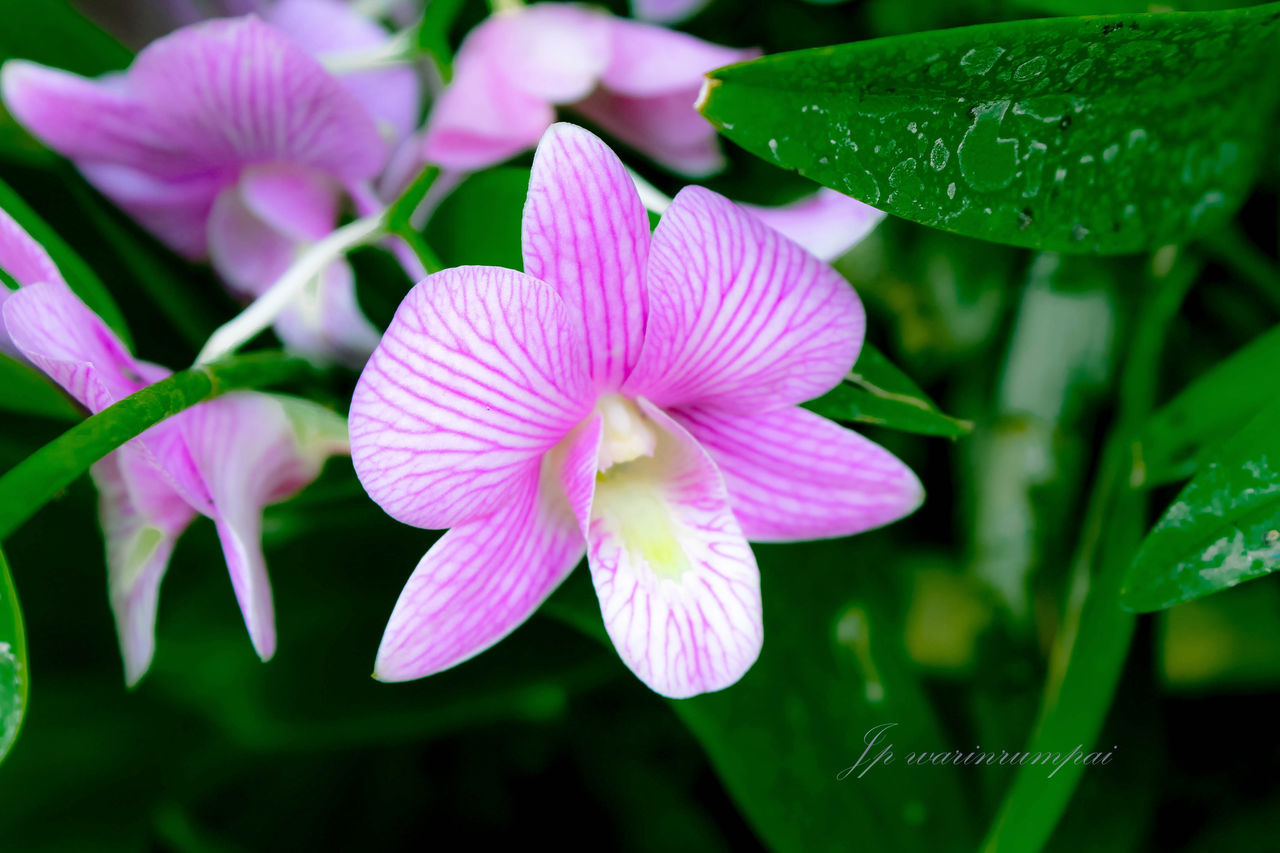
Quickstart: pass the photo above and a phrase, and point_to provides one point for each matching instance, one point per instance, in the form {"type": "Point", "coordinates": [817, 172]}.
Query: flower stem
{"type": "Point", "coordinates": [503, 6]}
{"type": "Point", "coordinates": [403, 49]}
{"type": "Point", "coordinates": [267, 307]}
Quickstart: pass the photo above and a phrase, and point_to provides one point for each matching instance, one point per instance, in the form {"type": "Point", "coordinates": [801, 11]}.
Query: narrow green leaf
{"type": "Point", "coordinates": [79, 277]}
{"type": "Point", "coordinates": [14, 675]}
{"type": "Point", "coordinates": [26, 391]}
{"type": "Point", "coordinates": [1222, 529]}
{"type": "Point", "coordinates": [877, 392]}
{"type": "Point", "coordinates": [53, 33]}
{"type": "Point", "coordinates": [33, 482]}
{"type": "Point", "coordinates": [1102, 135]}
{"type": "Point", "coordinates": [1209, 409]}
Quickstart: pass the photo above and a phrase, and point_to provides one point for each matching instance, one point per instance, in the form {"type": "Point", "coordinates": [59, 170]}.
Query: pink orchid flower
{"type": "Point", "coordinates": [630, 396]}
{"type": "Point", "coordinates": [637, 81]}
{"type": "Point", "coordinates": [225, 459]}
{"type": "Point", "coordinates": [827, 223]}
{"type": "Point", "coordinates": [226, 140]}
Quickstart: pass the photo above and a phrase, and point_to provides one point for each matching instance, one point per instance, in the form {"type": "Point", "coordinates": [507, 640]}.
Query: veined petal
{"type": "Point", "coordinates": [231, 92]}
{"type": "Point", "coordinates": [59, 334]}
{"type": "Point", "coordinates": [250, 453]}
{"type": "Point", "coordinates": [665, 128]}
{"type": "Point", "coordinates": [480, 372]}
{"type": "Point", "coordinates": [326, 322]}
{"type": "Point", "coordinates": [827, 223]}
{"type": "Point", "coordinates": [480, 582]}
{"type": "Point", "coordinates": [586, 233]}
{"type": "Point", "coordinates": [142, 518]}
{"type": "Point", "coordinates": [792, 474]}
{"type": "Point", "coordinates": [678, 584]}
{"type": "Point", "coordinates": [740, 318]}
{"type": "Point", "coordinates": [331, 27]}
{"type": "Point", "coordinates": [649, 60]}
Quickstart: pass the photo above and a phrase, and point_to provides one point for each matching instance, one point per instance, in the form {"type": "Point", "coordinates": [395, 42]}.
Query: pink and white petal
{"type": "Point", "coordinates": [794, 475]}
{"type": "Point", "coordinates": [553, 51]}
{"type": "Point", "coordinates": [22, 257]}
{"type": "Point", "coordinates": [229, 92]}
{"type": "Point", "coordinates": [298, 202]}
{"type": "Point", "coordinates": [95, 120]}
{"type": "Point", "coordinates": [325, 321]}
{"type": "Point", "coordinates": [142, 518]}
{"type": "Point", "coordinates": [677, 582]}
{"type": "Point", "coordinates": [175, 210]}
{"type": "Point", "coordinates": [666, 11]}
{"type": "Point", "coordinates": [480, 582]}
{"type": "Point", "coordinates": [480, 119]}
{"type": "Point", "coordinates": [247, 253]}
{"type": "Point", "coordinates": [665, 128]}
{"type": "Point", "coordinates": [827, 224]}
{"type": "Point", "coordinates": [330, 28]}
{"type": "Point", "coordinates": [740, 318]}
{"type": "Point", "coordinates": [58, 333]}
{"type": "Point", "coordinates": [648, 60]}
{"type": "Point", "coordinates": [586, 234]}
{"type": "Point", "coordinates": [247, 450]}
{"type": "Point", "coordinates": [480, 372]}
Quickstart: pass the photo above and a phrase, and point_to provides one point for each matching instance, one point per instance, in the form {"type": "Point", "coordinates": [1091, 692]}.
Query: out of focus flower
{"type": "Point", "coordinates": [228, 140]}
{"type": "Point", "coordinates": [637, 81]}
{"type": "Point", "coordinates": [225, 459]}
{"type": "Point", "coordinates": [630, 396]}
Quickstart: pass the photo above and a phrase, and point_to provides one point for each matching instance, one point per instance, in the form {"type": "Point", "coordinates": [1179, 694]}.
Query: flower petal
{"type": "Point", "coordinates": [325, 321]}
{"type": "Point", "coordinates": [248, 449]}
{"type": "Point", "coordinates": [586, 233]}
{"type": "Point", "coordinates": [246, 252]}
{"type": "Point", "coordinates": [665, 128]}
{"type": "Point", "coordinates": [649, 60]}
{"type": "Point", "coordinates": [175, 210]}
{"type": "Point", "coordinates": [678, 584]}
{"type": "Point", "coordinates": [554, 51]}
{"type": "Point", "coordinates": [480, 582]}
{"type": "Point", "coordinates": [142, 518]}
{"type": "Point", "coordinates": [479, 374]}
{"type": "Point", "coordinates": [740, 318]}
{"type": "Point", "coordinates": [231, 92]}
{"type": "Point", "coordinates": [827, 223]}
{"type": "Point", "coordinates": [298, 202]}
{"type": "Point", "coordinates": [793, 475]}
{"type": "Point", "coordinates": [22, 257]}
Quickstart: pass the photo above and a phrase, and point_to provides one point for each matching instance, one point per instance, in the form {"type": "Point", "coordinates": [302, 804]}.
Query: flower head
{"type": "Point", "coordinates": [225, 139]}
{"type": "Point", "coordinates": [636, 80]}
{"type": "Point", "coordinates": [225, 459]}
{"type": "Point", "coordinates": [630, 396]}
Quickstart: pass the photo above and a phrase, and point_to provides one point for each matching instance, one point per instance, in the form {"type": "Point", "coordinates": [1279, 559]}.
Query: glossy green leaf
{"type": "Point", "coordinates": [33, 482]}
{"type": "Point", "coordinates": [877, 392]}
{"type": "Point", "coordinates": [14, 676]}
{"type": "Point", "coordinates": [479, 222]}
{"type": "Point", "coordinates": [1099, 135]}
{"type": "Point", "coordinates": [1222, 529]}
{"type": "Point", "coordinates": [1211, 408]}
{"type": "Point", "coordinates": [79, 277]}
{"type": "Point", "coordinates": [26, 391]}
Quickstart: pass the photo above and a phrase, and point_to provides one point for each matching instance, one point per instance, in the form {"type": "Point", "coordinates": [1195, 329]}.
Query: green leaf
{"type": "Point", "coordinates": [33, 482]}
{"type": "Point", "coordinates": [14, 675]}
{"type": "Point", "coordinates": [1102, 135]}
{"type": "Point", "coordinates": [51, 32]}
{"type": "Point", "coordinates": [26, 391]}
{"type": "Point", "coordinates": [1222, 529]}
{"type": "Point", "coordinates": [877, 392]}
{"type": "Point", "coordinates": [479, 222]}
{"type": "Point", "coordinates": [79, 277]}
{"type": "Point", "coordinates": [1210, 409]}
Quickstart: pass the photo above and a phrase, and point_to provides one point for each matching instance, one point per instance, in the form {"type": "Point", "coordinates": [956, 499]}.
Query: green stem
{"type": "Point", "coordinates": [1233, 250]}
{"type": "Point", "coordinates": [34, 481]}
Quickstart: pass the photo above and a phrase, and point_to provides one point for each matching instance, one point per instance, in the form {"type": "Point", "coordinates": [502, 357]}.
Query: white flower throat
{"type": "Point", "coordinates": [628, 435]}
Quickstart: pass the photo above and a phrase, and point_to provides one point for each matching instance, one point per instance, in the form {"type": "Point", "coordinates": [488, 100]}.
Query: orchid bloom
{"type": "Point", "coordinates": [637, 81]}
{"type": "Point", "coordinates": [225, 459]}
{"type": "Point", "coordinates": [630, 396]}
{"type": "Point", "coordinates": [227, 139]}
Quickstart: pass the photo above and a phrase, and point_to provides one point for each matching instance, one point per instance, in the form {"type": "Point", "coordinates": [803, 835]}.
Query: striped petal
{"type": "Point", "coordinates": [677, 582]}
{"type": "Point", "coordinates": [253, 450]}
{"type": "Point", "coordinates": [586, 233]}
{"type": "Point", "coordinates": [740, 318]}
{"type": "Point", "coordinates": [478, 375]}
{"type": "Point", "coordinates": [480, 582]}
{"type": "Point", "coordinates": [26, 262]}
{"type": "Point", "coordinates": [142, 518]}
{"type": "Point", "coordinates": [827, 223]}
{"type": "Point", "coordinates": [794, 475]}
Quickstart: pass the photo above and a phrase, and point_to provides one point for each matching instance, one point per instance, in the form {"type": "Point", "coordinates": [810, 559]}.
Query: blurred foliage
{"type": "Point", "coordinates": [988, 620]}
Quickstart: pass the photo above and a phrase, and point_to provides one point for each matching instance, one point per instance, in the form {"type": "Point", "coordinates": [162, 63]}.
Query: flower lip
{"type": "Point", "coordinates": [628, 434]}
